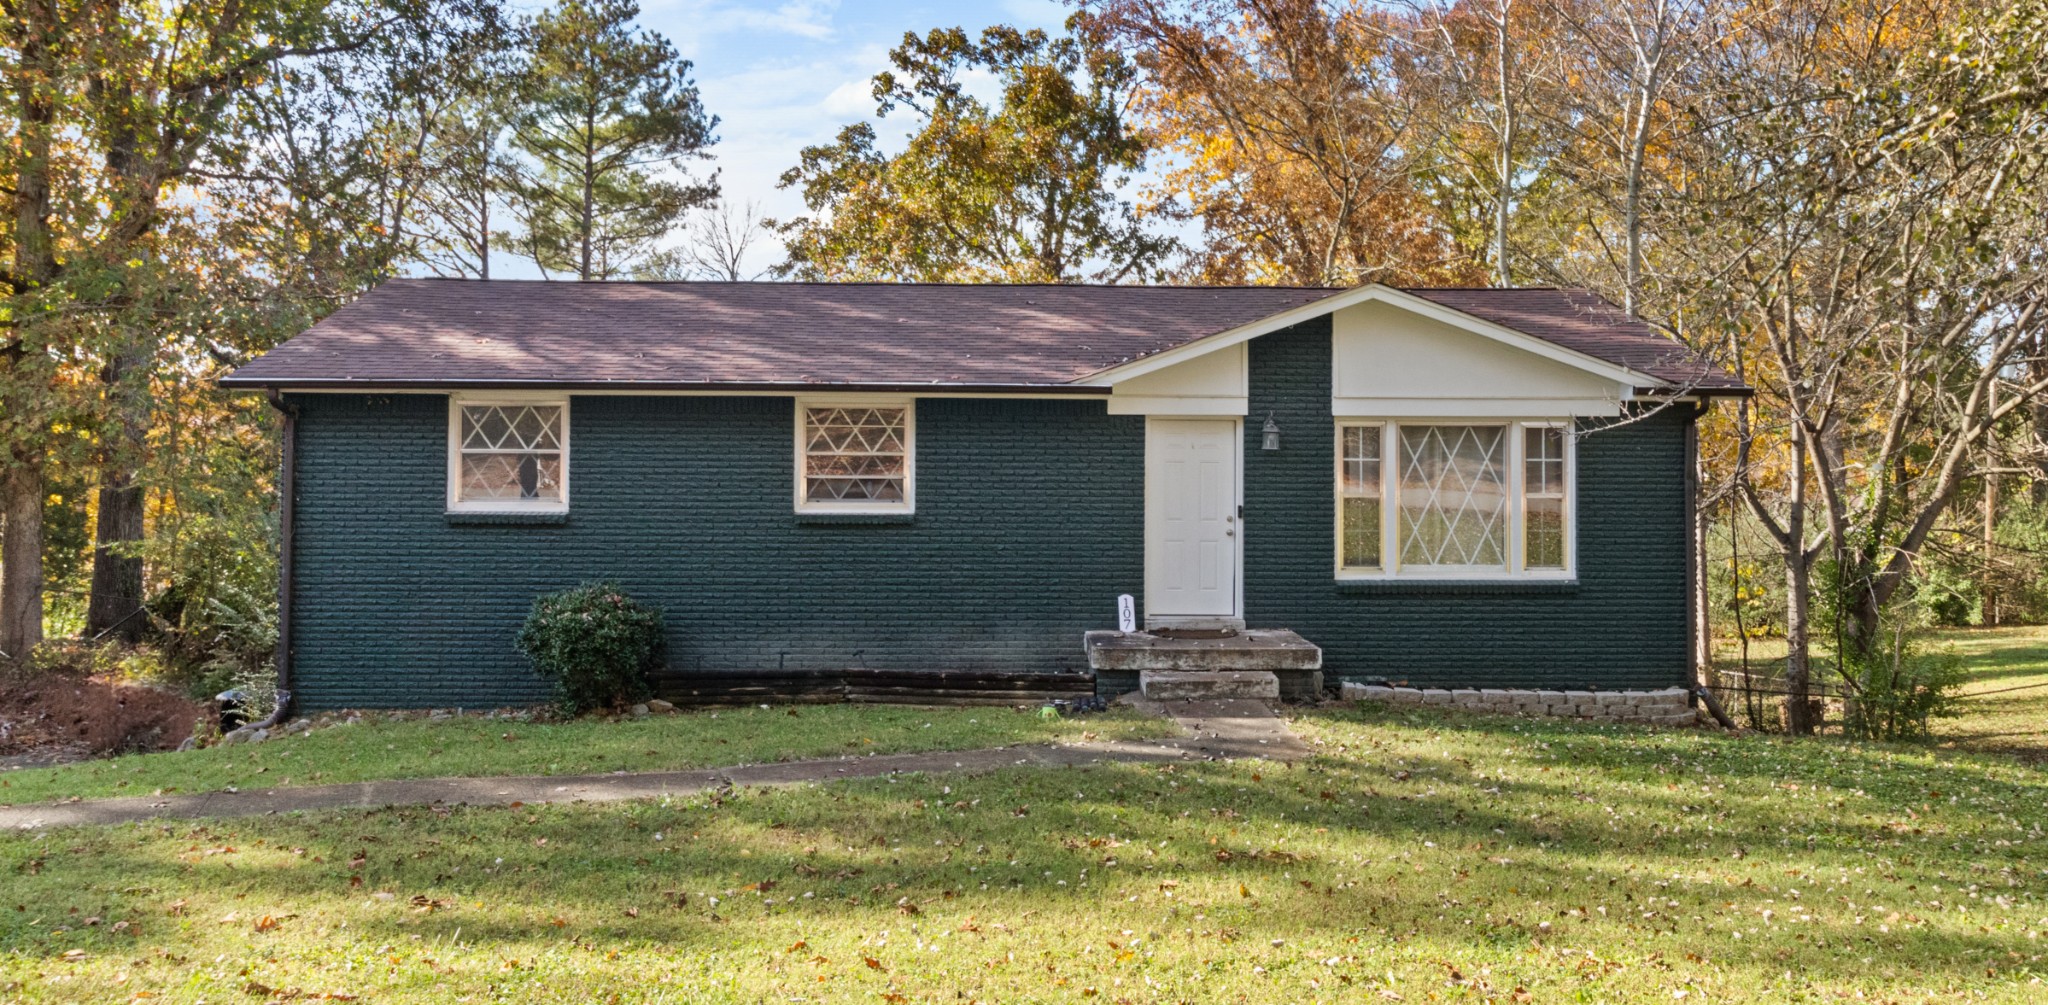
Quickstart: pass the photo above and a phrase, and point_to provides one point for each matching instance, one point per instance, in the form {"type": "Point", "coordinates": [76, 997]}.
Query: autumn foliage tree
{"type": "Point", "coordinates": [1024, 190]}
{"type": "Point", "coordinates": [1286, 124]}
{"type": "Point", "coordinates": [141, 128]}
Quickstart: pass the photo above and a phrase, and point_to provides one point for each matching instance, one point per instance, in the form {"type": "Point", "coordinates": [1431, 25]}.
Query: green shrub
{"type": "Point", "coordinates": [1898, 690]}
{"type": "Point", "coordinates": [596, 643]}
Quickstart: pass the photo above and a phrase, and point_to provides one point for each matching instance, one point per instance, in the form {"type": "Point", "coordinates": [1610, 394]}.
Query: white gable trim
{"type": "Point", "coordinates": [1366, 294]}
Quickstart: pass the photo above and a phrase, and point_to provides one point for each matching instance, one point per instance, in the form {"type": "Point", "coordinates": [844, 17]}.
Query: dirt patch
{"type": "Point", "coordinates": [57, 712]}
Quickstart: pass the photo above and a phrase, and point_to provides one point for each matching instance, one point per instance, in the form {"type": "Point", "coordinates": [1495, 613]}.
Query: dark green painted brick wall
{"type": "Point", "coordinates": [1622, 626]}
{"type": "Point", "coordinates": [1030, 522]}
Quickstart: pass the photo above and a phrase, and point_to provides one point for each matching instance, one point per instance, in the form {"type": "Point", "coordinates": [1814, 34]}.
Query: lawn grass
{"type": "Point", "coordinates": [475, 746]}
{"type": "Point", "coordinates": [1416, 856]}
{"type": "Point", "coordinates": [2005, 704]}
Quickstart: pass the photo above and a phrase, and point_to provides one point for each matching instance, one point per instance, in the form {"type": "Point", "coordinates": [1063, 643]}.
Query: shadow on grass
{"type": "Point", "coordinates": [1466, 833]}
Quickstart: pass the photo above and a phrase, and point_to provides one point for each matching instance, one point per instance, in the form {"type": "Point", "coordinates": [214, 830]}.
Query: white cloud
{"type": "Point", "coordinates": [853, 99]}
{"type": "Point", "coordinates": [692, 23]}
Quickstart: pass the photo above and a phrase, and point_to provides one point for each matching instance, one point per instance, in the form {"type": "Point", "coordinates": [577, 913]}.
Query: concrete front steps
{"type": "Point", "coordinates": [1200, 685]}
{"type": "Point", "coordinates": [1261, 664]}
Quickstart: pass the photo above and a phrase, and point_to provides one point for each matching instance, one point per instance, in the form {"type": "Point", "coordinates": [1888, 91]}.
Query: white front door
{"type": "Point", "coordinates": [1191, 526]}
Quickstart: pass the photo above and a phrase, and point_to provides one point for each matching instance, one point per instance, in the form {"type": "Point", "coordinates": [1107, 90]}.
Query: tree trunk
{"type": "Point", "coordinates": [483, 227]}
{"type": "Point", "coordinates": [21, 557]}
{"type": "Point", "coordinates": [1799, 719]}
{"type": "Point", "coordinates": [2037, 372]}
{"type": "Point", "coordinates": [585, 221]}
{"type": "Point", "coordinates": [1505, 166]}
{"type": "Point", "coordinates": [1990, 549]}
{"type": "Point", "coordinates": [115, 610]}
{"type": "Point", "coordinates": [115, 606]}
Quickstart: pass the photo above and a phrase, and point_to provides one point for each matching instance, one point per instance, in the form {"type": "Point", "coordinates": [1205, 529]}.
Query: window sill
{"type": "Point", "coordinates": [1465, 586]}
{"type": "Point", "coordinates": [854, 519]}
{"type": "Point", "coordinates": [503, 519]}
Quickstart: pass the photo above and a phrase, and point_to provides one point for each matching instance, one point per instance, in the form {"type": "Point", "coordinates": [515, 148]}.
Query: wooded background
{"type": "Point", "coordinates": [1841, 200]}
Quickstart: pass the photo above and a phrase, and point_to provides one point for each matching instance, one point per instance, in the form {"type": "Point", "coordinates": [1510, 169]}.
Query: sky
{"type": "Point", "coordinates": [781, 76]}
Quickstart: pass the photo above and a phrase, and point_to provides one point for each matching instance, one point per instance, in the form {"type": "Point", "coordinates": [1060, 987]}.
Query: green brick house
{"type": "Point", "coordinates": [1452, 487]}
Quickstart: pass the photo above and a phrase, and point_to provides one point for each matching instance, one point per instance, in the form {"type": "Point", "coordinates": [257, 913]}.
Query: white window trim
{"type": "Point", "coordinates": [456, 504]}
{"type": "Point", "coordinates": [909, 406]}
{"type": "Point", "coordinates": [1390, 504]}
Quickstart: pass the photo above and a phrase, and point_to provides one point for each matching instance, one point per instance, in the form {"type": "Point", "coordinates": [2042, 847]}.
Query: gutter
{"type": "Point", "coordinates": [273, 384]}
{"type": "Point", "coordinates": [288, 490]}
{"type": "Point", "coordinates": [1695, 392]}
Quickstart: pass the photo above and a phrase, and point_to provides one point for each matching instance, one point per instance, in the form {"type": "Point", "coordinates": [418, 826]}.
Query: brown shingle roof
{"type": "Point", "coordinates": [426, 332]}
{"type": "Point", "coordinates": [1586, 323]}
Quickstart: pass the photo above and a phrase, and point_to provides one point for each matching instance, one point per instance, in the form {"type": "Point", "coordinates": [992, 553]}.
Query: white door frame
{"type": "Point", "coordinates": [1234, 619]}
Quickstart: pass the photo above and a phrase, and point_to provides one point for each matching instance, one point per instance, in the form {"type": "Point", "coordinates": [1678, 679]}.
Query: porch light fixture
{"type": "Point", "coordinates": [1272, 434]}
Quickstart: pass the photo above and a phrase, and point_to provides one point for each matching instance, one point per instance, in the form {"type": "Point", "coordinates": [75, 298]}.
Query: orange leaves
{"type": "Point", "coordinates": [269, 922]}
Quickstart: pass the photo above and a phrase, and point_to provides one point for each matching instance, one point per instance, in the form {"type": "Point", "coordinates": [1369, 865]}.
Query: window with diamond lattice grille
{"type": "Point", "coordinates": [856, 457]}
{"type": "Point", "coordinates": [510, 454]}
{"type": "Point", "coordinates": [1454, 499]}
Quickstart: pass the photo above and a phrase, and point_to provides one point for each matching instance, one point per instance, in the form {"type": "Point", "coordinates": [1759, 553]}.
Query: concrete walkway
{"type": "Point", "coordinates": [1214, 730]}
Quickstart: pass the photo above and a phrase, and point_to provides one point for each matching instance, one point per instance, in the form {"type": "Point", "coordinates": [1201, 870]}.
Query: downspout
{"type": "Point", "coordinates": [1692, 551]}
{"type": "Point", "coordinates": [288, 490]}
{"type": "Point", "coordinates": [1693, 558]}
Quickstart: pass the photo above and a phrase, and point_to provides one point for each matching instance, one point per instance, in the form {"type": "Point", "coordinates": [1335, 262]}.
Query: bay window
{"type": "Point", "coordinates": [1453, 499]}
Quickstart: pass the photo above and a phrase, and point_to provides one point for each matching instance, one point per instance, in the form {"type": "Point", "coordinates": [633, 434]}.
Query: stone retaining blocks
{"type": "Point", "coordinates": [1666, 707]}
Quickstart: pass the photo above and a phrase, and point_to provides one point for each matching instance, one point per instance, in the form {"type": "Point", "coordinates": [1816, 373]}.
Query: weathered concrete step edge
{"type": "Point", "coordinates": [1169, 685]}
{"type": "Point", "coordinates": [1256, 649]}
{"type": "Point", "coordinates": [1664, 707]}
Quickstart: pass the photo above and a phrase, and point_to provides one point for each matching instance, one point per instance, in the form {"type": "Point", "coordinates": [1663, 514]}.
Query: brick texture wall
{"type": "Point", "coordinates": [1623, 625]}
{"type": "Point", "coordinates": [1030, 521]}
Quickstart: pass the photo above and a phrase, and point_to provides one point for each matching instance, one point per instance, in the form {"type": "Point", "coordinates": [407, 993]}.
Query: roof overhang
{"type": "Point", "coordinates": [651, 386]}
{"type": "Point", "coordinates": [1372, 293]}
